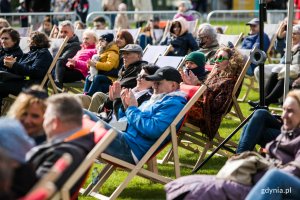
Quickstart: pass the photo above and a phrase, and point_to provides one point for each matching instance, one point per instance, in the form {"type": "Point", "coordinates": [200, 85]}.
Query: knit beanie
{"type": "Point", "coordinates": [108, 37]}
{"type": "Point", "coordinates": [196, 57]}
{"type": "Point", "coordinates": [14, 140]}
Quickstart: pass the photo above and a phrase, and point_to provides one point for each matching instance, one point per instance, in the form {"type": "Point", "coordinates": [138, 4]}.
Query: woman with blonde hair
{"type": "Point", "coordinates": [29, 108]}
{"type": "Point", "coordinates": [208, 111]}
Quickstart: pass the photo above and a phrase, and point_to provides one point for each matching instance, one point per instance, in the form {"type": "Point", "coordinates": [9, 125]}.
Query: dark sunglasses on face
{"type": "Point", "coordinates": [220, 59]}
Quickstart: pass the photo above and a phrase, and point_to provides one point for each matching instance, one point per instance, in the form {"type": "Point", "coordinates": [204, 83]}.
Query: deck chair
{"type": "Point", "coordinates": [45, 187]}
{"type": "Point", "coordinates": [151, 52]}
{"type": "Point", "coordinates": [54, 45]}
{"type": "Point", "coordinates": [173, 61]}
{"type": "Point", "coordinates": [192, 26]}
{"type": "Point", "coordinates": [24, 45]}
{"type": "Point", "coordinates": [113, 163]}
{"type": "Point", "coordinates": [48, 75]}
{"type": "Point", "coordinates": [101, 143]}
{"type": "Point", "coordinates": [224, 39]}
{"type": "Point", "coordinates": [271, 30]}
{"type": "Point", "coordinates": [24, 31]}
{"type": "Point", "coordinates": [135, 32]}
{"type": "Point", "coordinates": [10, 99]}
{"type": "Point", "coordinates": [167, 30]}
{"type": "Point", "coordinates": [251, 79]}
{"type": "Point", "coordinates": [157, 35]}
{"type": "Point", "coordinates": [190, 134]}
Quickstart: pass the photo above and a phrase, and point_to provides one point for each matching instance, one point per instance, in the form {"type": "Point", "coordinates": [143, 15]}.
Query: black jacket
{"type": "Point", "coordinates": [33, 64]}
{"type": "Point", "coordinates": [44, 156]}
{"type": "Point", "coordinates": [14, 51]}
{"type": "Point", "coordinates": [127, 77]}
{"type": "Point", "coordinates": [70, 50]}
{"type": "Point", "coordinates": [181, 44]}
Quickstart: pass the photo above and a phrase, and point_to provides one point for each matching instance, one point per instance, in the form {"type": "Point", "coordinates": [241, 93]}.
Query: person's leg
{"type": "Point", "coordinates": [100, 84]}
{"type": "Point", "coordinates": [277, 185]}
{"type": "Point", "coordinates": [276, 93]}
{"type": "Point", "coordinates": [259, 124]}
{"type": "Point", "coordinates": [98, 99]}
{"type": "Point", "coordinates": [87, 85]}
{"type": "Point", "coordinates": [72, 75]}
{"type": "Point", "coordinates": [85, 100]}
{"type": "Point", "coordinates": [271, 83]}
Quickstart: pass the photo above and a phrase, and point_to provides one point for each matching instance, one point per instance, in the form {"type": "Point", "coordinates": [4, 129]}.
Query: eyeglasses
{"type": "Point", "coordinates": [220, 59]}
{"type": "Point", "coordinates": [141, 76]}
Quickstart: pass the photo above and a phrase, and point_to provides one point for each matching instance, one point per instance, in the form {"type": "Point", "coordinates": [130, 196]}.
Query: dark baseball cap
{"type": "Point", "coordinates": [165, 73]}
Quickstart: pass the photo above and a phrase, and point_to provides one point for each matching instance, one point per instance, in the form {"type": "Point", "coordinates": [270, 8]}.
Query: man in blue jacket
{"type": "Point", "coordinates": [146, 123]}
{"type": "Point", "coordinates": [253, 40]}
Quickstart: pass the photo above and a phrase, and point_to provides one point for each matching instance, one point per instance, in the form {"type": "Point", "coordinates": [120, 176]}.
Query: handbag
{"type": "Point", "coordinates": [242, 167]}
{"type": "Point", "coordinates": [6, 76]}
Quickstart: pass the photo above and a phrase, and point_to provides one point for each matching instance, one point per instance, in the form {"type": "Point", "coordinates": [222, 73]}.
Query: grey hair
{"type": "Point", "coordinates": [92, 33]}
{"type": "Point", "coordinates": [208, 30]}
{"type": "Point", "coordinates": [66, 107]}
{"type": "Point", "coordinates": [67, 23]}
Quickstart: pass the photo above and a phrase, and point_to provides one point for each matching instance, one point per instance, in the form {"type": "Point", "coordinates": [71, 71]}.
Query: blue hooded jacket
{"type": "Point", "coordinates": [148, 122]}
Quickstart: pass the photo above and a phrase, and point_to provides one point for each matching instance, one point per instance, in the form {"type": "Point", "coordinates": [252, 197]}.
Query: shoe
{"type": "Point", "coordinates": [253, 103]}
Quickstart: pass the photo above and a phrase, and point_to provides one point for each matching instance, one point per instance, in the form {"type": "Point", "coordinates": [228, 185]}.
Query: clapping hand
{"type": "Point", "coordinates": [128, 98]}
{"type": "Point", "coordinates": [114, 91]}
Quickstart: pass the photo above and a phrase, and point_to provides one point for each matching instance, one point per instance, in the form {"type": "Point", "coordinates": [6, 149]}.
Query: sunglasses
{"type": "Point", "coordinates": [220, 59]}
{"type": "Point", "coordinates": [141, 76]}
{"type": "Point", "coordinates": [36, 93]}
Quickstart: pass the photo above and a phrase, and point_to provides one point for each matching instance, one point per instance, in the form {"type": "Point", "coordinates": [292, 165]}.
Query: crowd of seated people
{"type": "Point", "coordinates": [129, 96]}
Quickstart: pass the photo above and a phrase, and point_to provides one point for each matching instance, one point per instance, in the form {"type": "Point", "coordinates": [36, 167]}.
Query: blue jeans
{"type": "Point", "coordinates": [118, 147]}
{"type": "Point", "coordinates": [262, 128]}
{"type": "Point", "coordinates": [276, 185]}
{"type": "Point", "coordinates": [100, 83]}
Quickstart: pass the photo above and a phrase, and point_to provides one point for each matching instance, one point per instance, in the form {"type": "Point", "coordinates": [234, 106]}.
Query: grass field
{"type": "Point", "coordinates": [140, 188]}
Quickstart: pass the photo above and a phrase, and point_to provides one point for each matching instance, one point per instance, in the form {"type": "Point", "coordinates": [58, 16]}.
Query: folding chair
{"type": "Point", "coordinates": [48, 75]}
{"type": "Point", "coordinates": [101, 143]}
{"type": "Point", "coordinates": [192, 26]}
{"type": "Point", "coordinates": [151, 52]}
{"type": "Point", "coordinates": [224, 39]}
{"type": "Point", "coordinates": [45, 187]}
{"type": "Point", "coordinates": [173, 61]}
{"type": "Point", "coordinates": [55, 45]}
{"type": "Point", "coordinates": [271, 30]}
{"type": "Point", "coordinates": [113, 163]}
{"type": "Point", "coordinates": [251, 85]}
{"type": "Point", "coordinates": [24, 45]}
{"type": "Point", "coordinates": [191, 133]}
{"type": "Point", "coordinates": [135, 32]}
{"type": "Point", "coordinates": [24, 31]}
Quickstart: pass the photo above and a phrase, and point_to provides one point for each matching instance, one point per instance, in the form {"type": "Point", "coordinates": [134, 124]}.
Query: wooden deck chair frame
{"type": "Point", "coordinates": [164, 53]}
{"type": "Point", "coordinates": [167, 30]}
{"type": "Point", "coordinates": [137, 169]}
{"type": "Point", "coordinates": [46, 183]}
{"type": "Point", "coordinates": [272, 43]}
{"type": "Point", "coordinates": [48, 75]}
{"type": "Point", "coordinates": [189, 131]}
{"type": "Point", "coordinates": [238, 40]}
{"type": "Point", "coordinates": [64, 193]}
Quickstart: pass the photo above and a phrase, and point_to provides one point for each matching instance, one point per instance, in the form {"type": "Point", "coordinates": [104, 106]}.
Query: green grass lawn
{"type": "Point", "coordinates": [140, 188]}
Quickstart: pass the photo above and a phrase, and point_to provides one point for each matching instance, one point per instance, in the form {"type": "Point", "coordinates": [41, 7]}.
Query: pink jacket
{"type": "Point", "coordinates": [82, 56]}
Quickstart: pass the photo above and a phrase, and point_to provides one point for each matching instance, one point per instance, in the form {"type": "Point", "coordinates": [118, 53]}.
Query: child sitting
{"type": "Point", "coordinates": [195, 63]}
{"type": "Point", "coordinates": [103, 67]}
